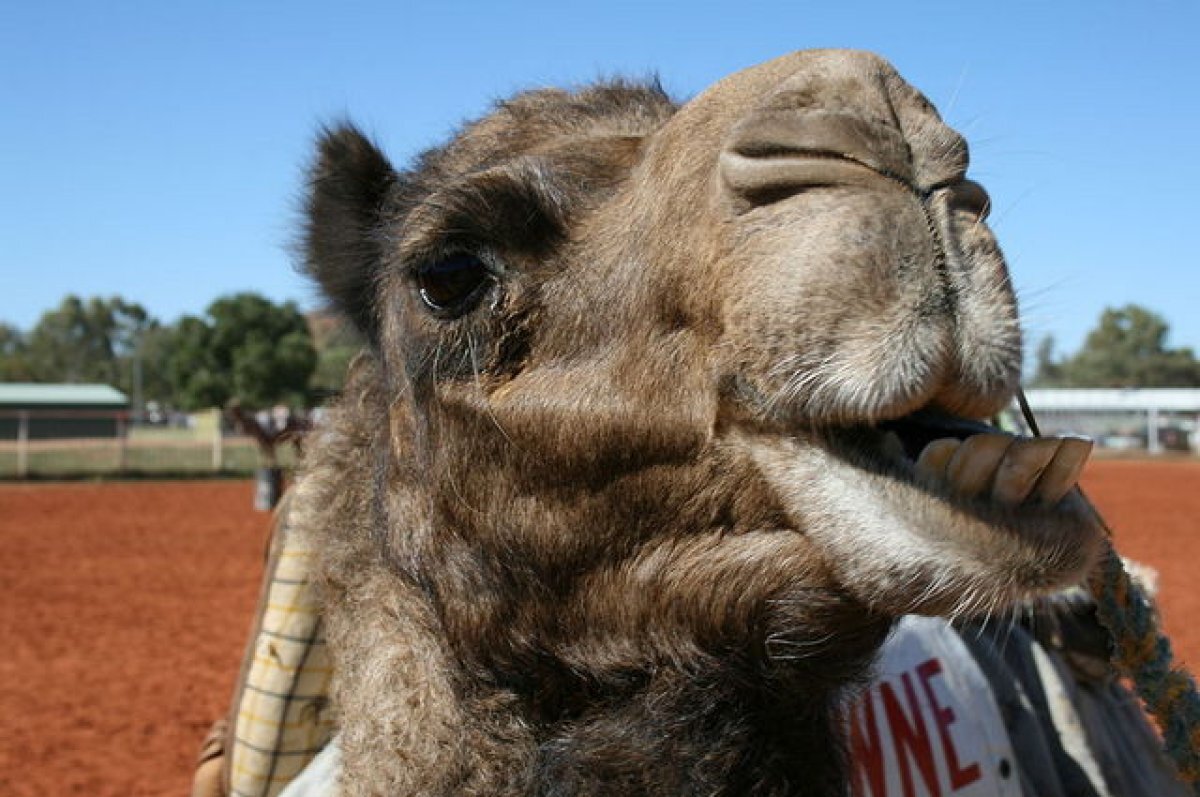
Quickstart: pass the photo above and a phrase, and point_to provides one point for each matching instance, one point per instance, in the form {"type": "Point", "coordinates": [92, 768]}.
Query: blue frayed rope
{"type": "Point", "coordinates": [1142, 653]}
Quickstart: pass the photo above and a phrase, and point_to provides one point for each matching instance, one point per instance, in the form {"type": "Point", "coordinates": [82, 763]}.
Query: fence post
{"type": "Point", "coordinates": [22, 444]}
{"type": "Point", "coordinates": [218, 453]}
{"type": "Point", "coordinates": [122, 442]}
{"type": "Point", "coordinates": [1152, 443]}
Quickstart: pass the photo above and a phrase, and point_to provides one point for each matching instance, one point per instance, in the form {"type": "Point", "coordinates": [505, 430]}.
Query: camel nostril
{"type": "Point", "coordinates": [762, 180]}
{"type": "Point", "coordinates": [775, 149]}
{"type": "Point", "coordinates": [970, 196]}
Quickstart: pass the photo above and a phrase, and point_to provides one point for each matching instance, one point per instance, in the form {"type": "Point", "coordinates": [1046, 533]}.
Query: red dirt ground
{"type": "Point", "coordinates": [1153, 509]}
{"type": "Point", "coordinates": [124, 609]}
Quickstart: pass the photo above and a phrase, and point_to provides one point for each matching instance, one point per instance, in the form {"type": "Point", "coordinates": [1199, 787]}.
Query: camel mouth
{"type": "Point", "coordinates": [949, 509]}
{"type": "Point", "coordinates": [918, 429]}
{"type": "Point", "coordinates": [967, 458]}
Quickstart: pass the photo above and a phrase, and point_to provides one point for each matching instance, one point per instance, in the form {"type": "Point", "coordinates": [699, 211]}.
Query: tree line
{"type": "Point", "coordinates": [264, 353]}
{"type": "Point", "coordinates": [243, 346]}
{"type": "Point", "coordinates": [1127, 348]}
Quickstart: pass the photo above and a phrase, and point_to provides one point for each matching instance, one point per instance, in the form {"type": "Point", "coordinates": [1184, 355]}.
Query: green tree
{"type": "Point", "coordinates": [1128, 348]}
{"type": "Point", "coordinates": [153, 354]}
{"type": "Point", "coordinates": [245, 347]}
{"type": "Point", "coordinates": [336, 342]}
{"type": "Point", "coordinates": [88, 340]}
{"type": "Point", "coordinates": [14, 359]}
{"type": "Point", "coordinates": [192, 371]}
{"type": "Point", "coordinates": [1048, 370]}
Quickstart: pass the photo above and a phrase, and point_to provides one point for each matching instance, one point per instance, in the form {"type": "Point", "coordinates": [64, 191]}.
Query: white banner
{"type": "Point", "coordinates": [928, 726]}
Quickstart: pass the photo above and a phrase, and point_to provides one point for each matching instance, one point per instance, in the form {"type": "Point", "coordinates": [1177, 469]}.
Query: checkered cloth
{"type": "Point", "coordinates": [280, 713]}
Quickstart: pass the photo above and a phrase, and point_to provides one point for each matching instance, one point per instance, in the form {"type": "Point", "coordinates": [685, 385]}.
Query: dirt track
{"type": "Point", "coordinates": [124, 607]}
{"type": "Point", "coordinates": [1153, 509]}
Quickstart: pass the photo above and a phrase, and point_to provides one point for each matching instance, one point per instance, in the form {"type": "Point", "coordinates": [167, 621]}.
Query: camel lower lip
{"type": "Point", "coordinates": [875, 515]}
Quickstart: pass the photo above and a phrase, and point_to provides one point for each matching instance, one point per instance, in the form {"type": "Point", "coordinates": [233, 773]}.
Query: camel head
{"type": "Point", "coordinates": [666, 389]}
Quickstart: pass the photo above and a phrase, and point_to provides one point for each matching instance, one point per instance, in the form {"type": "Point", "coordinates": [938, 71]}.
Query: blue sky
{"type": "Point", "coordinates": [156, 149]}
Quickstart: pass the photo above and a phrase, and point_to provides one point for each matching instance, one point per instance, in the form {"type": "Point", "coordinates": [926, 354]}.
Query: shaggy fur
{"type": "Point", "coordinates": [620, 521]}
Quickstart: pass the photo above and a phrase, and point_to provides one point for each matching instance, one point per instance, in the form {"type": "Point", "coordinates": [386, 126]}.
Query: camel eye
{"type": "Point", "coordinates": [451, 287]}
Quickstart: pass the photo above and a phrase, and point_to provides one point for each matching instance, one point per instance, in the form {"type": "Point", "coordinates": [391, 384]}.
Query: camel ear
{"type": "Point", "coordinates": [343, 248]}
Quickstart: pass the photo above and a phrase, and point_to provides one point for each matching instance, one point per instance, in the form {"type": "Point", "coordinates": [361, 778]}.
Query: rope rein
{"type": "Point", "coordinates": [1142, 653]}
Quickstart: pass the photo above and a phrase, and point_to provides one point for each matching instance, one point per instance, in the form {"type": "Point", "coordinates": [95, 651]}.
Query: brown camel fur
{"type": "Point", "coordinates": [609, 507]}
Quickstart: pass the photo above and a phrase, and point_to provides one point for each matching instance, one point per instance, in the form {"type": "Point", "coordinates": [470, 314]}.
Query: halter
{"type": "Point", "coordinates": [1141, 651]}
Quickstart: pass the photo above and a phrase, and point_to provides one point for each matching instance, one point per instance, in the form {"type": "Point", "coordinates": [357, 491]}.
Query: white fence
{"type": "Point", "coordinates": [57, 443]}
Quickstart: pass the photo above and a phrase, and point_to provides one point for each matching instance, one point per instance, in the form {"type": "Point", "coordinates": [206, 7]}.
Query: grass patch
{"type": "Point", "coordinates": [139, 457]}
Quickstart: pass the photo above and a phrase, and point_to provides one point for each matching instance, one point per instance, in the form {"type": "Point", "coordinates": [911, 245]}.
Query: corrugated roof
{"type": "Point", "coordinates": [1181, 399]}
{"type": "Point", "coordinates": [32, 394]}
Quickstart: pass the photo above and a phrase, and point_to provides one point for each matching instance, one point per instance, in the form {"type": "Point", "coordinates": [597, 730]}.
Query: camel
{"type": "Point", "coordinates": [668, 412]}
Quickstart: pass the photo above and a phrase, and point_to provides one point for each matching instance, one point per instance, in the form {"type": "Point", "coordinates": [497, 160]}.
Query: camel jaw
{"type": "Point", "coordinates": [914, 532]}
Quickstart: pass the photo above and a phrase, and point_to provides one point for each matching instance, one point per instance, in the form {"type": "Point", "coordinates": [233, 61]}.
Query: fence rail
{"type": "Point", "coordinates": [67, 443]}
{"type": "Point", "coordinates": [64, 444]}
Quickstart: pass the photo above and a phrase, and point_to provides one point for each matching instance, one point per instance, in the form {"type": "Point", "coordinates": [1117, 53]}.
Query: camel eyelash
{"type": "Point", "coordinates": [452, 285]}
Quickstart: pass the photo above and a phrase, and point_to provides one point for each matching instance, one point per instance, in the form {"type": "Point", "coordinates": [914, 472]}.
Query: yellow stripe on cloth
{"type": "Point", "coordinates": [281, 718]}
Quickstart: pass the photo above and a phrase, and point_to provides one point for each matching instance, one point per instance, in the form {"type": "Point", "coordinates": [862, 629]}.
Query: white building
{"type": "Point", "coordinates": [1152, 418]}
